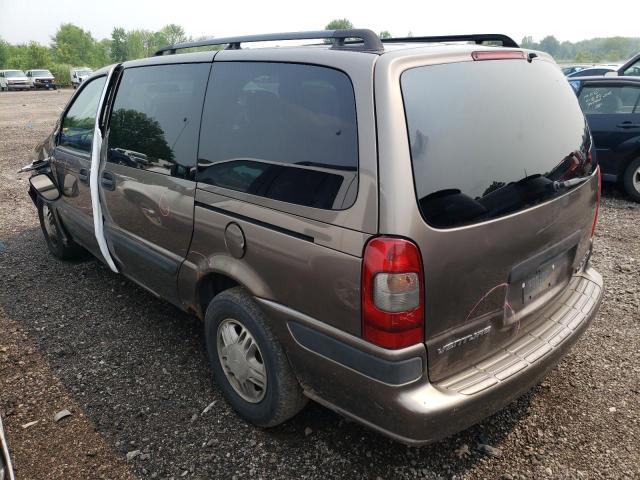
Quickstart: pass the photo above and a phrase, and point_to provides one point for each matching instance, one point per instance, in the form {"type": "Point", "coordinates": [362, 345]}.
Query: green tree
{"type": "Point", "coordinates": [37, 56]}
{"type": "Point", "coordinates": [118, 44]}
{"type": "Point", "coordinates": [339, 24]}
{"type": "Point", "coordinates": [101, 53]}
{"type": "Point", "coordinates": [587, 57]}
{"type": "Point", "coordinates": [72, 44]}
{"type": "Point", "coordinates": [136, 44]}
{"type": "Point", "coordinates": [549, 44]}
{"type": "Point", "coordinates": [5, 51]}
{"type": "Point", "coordinates": [385, 34]}
{"type": "Point", "coordinates": [173, 34]}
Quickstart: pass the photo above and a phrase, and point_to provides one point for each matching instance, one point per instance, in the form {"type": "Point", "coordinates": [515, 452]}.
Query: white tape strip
{"type": "Point", "coordinates": [94, 183]}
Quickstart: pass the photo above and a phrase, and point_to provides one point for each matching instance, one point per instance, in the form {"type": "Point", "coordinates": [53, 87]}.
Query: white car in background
{"type": "Point", "coordinates": [41, 79]}
{"type": "Point", "coordinates": [13, 80]}
{"type": "Point", "coordinates": [79, 75]}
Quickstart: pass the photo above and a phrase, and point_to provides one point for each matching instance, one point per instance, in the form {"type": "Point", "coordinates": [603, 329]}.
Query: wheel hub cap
{"type": "Point", "coordinates": [241, 360]}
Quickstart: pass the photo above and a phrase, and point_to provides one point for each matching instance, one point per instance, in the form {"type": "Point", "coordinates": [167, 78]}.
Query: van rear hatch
{"type": "Point", "coordinates": [507, 190]}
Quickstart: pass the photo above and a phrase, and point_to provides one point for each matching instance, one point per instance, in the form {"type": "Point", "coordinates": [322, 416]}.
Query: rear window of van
{"type": "Point", "coordinates": [490, 138]}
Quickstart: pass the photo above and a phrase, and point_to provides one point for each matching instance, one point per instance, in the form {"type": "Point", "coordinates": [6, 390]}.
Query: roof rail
{"type": "Point", "coordinates": [477, 38]}
{"type": "Point", "coordinates": [369, 41]}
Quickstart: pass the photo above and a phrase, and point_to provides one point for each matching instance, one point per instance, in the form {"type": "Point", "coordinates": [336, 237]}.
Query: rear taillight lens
{"type": "Point", "coordinates": [598, 195]}
{"type": "Point", "coordinates": [392, 293]}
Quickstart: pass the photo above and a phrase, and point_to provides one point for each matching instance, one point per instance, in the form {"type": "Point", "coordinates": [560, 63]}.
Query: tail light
{"type": "Point", "coordinates": [392, 293]}
{"type": "Point", "coordinates": [598, 195]}
{"type": "Point", "coordinates": [498, 55]}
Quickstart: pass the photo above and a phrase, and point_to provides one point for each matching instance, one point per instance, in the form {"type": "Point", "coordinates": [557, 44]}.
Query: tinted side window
{"type": "Point", "coordinates": [282, 131]}
{"type": "Point", "coordinates": [609, 99]}
{"type": "Point", "coordinates": [156, 116]}
{"type": "Point", "coordinates": [80, 120]}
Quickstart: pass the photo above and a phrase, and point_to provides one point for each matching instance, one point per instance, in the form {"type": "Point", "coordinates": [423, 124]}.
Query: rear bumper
{"type": "Point", "coordinates": [398, 400]}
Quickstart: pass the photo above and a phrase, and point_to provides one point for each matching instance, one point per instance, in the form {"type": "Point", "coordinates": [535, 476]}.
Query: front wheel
{"type": "Point", "coordinates": [631, 180]}
{"type": "Point", "coordinates": [58, 240]}
{"type": "Point", "coordinates": [248, 363]}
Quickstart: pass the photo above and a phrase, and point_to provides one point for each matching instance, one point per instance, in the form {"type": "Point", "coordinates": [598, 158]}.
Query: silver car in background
{"type": "Point", "coordinates": [13, 80]}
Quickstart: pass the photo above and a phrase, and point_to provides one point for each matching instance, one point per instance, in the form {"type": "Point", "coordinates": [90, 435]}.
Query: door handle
{"type": "Point", "coordinates": [628, 124]}
{"type": "Point", "coordinates": [83, 175]}
{"type": "Point", "coordinates": [108, 181]}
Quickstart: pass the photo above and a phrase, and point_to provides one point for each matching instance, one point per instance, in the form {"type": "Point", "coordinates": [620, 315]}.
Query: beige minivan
{"type": "Point", "coordinates": [398, 229]}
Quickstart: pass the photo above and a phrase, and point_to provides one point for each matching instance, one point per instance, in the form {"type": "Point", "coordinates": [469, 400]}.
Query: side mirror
{"type": "Point", "coordinates": [611, 74]}
{"type": "Point", "coordinates": [45, 187]}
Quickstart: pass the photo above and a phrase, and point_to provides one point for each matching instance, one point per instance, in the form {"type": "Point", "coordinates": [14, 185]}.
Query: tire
{"type": "Point", "coordinates": [281, 398]}
{"type": "Point", "coordinates": [59, 242]}
{"type": "Point", "coordinates": [631, 180]}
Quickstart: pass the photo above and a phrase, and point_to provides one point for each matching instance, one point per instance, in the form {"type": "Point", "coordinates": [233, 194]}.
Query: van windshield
{"type": "Point", "coordinates": [490, 138]}
{"type": "Point", "coordinates": [13, 73]}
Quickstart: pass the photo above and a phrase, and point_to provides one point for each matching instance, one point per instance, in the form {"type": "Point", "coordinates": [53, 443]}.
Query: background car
{"type": "Point", "coordinates": [592, 71]}
{"type": "Point", "coordinates": [41, 79]}
{"type": "Point", "coordinates": [79, 75]}
{"type": "Point", "coordinates": [13, 80]}
{"type": "Point", "coordinates": [569, 69]}
{"type": "Point", "coordinates": [612, 108]}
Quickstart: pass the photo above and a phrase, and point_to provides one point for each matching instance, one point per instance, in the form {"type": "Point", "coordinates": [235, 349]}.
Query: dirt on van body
{"type": "Point", "coordinates": [132, 371]}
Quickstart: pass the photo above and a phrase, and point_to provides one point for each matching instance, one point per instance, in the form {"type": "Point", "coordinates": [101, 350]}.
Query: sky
{"type": "Point", "coordinates": [573, 20]}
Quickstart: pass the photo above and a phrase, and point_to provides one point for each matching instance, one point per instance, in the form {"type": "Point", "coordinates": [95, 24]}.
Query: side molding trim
{"type": "Point", "coordinates": [392, 373]}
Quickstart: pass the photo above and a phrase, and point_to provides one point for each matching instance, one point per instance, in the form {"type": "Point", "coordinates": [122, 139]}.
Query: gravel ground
{"type": "Point", "coordinates": [132, 371]}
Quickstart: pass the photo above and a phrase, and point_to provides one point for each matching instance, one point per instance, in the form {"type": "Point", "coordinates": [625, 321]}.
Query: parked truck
{"type": "Point", "coordinates": [78, 75]}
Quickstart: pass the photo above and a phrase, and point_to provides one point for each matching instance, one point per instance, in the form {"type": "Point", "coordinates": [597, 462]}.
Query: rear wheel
{"type": "Point", "coordinates": [58, 240]}
{"type": "Point", "coordinates": [631, 180]}
{"type": "Point", "coordinates": [249, 364]}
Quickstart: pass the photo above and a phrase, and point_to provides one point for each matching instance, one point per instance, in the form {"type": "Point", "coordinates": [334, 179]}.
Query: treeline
{"type": "Point", "coordinates": [73, 46]}
{"type": "Point", "coordinates": [595, 50]}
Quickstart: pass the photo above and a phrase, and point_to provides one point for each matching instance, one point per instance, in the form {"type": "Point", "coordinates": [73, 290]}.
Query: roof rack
{"type": "Point", "coordinates": [368, 40]}
{"type": "Point", "coordinates": [479, 39]}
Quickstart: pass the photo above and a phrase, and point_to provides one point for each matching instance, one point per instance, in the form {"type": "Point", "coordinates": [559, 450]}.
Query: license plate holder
{"type": "Point", "coordinates": [545, 277]}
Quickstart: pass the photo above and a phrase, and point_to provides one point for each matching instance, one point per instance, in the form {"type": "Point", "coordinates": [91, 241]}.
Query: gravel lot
{"type": "Point", "coordinates": [133, 372]}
